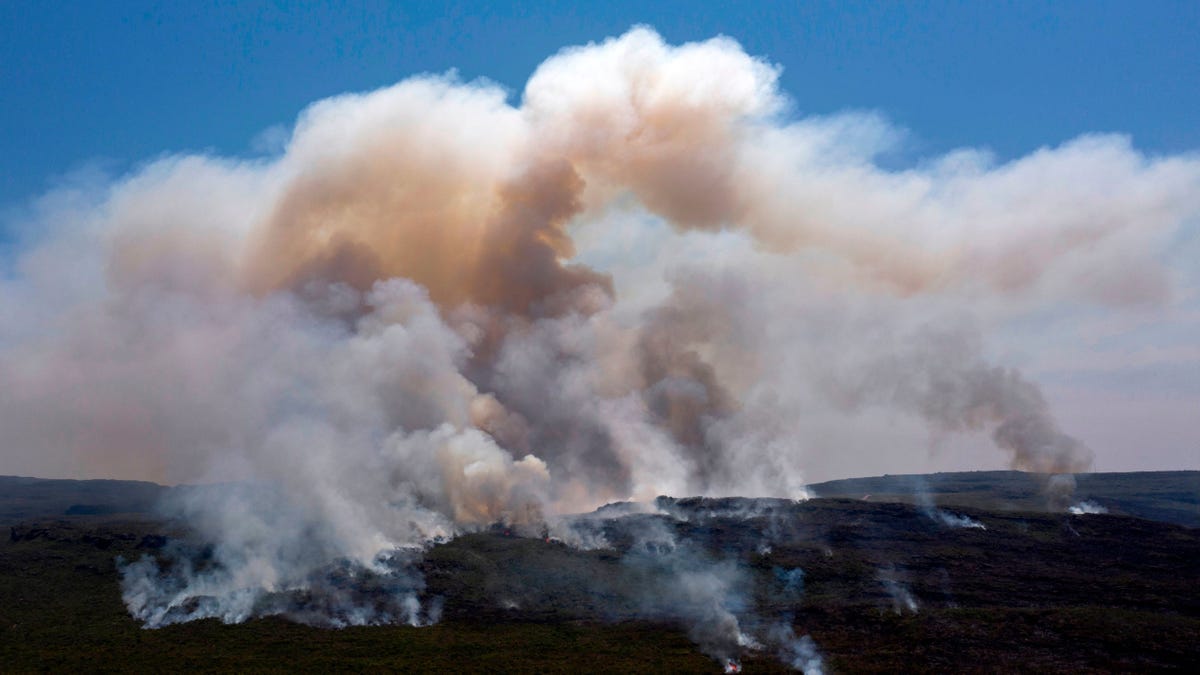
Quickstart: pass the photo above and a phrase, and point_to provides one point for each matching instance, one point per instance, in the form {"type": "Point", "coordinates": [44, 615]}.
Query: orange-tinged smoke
{"type": "Point", "coordinates": [436, 308]}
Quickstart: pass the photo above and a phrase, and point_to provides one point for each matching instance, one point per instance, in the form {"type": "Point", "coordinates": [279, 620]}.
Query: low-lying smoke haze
{"type": "Point", "coordinates": [436, 309]}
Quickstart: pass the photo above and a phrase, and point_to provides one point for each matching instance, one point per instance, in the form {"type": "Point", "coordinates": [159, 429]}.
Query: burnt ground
{"type": "Point", "coordinates": [1167, 496]}
{"type": "Point", "coordinates": [1033, 592]}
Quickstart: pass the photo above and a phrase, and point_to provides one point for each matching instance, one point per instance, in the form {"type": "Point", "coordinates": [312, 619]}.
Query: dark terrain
{"type": "Point", "coordinates": [1167, 496]}
{"type": "Point", "coordinates": [885, 586]}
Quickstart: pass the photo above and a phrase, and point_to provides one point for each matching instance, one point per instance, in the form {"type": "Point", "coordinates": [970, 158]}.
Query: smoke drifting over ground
{"type": "Point", "coordinates": [393, 327]}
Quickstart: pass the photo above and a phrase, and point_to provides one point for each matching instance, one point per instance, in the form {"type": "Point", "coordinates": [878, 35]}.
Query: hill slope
{"type": "Point", "coordinates": [1167, 496]}
{"type": "Point", "coordinates": [877, 587]}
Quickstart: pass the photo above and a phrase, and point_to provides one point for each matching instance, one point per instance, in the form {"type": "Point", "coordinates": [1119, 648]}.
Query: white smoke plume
{"type": "Point", "coordinates": [708, 596]}
{"type": "Point", "coordinates": [941, 516]}
{"type": "Point", "coordinates": [798, 653]}
{"type": "Point", "coordinates": [677, 578]}
{"type": "Point", "coordinates": [1086, 508]}
{"type": "Point", "coordinates": [436, 309]}
{"type": "Point", "coordinates": [902, 598]}
{"type": "Point", "coordinates": [956, 520]}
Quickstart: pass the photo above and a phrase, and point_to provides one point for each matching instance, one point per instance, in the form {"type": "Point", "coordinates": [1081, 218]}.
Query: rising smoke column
{"type": "Point", "coordinates": [392, 325]}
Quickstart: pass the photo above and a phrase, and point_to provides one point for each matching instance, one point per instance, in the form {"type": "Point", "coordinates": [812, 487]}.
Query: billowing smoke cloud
{"type": "Point", "coordinates": [436, 309]}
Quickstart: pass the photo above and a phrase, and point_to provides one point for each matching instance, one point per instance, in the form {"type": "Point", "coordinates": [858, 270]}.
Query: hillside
{"type": "Point", "coordinates": [24, 498]}
{"type": "Point", "coordinates": [1167, 496]}
{"type": "Point", "coordinates": [876, 587]}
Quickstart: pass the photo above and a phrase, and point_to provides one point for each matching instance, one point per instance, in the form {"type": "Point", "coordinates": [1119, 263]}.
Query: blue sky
{"type": "Point", "coordinates": [115, 83]}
